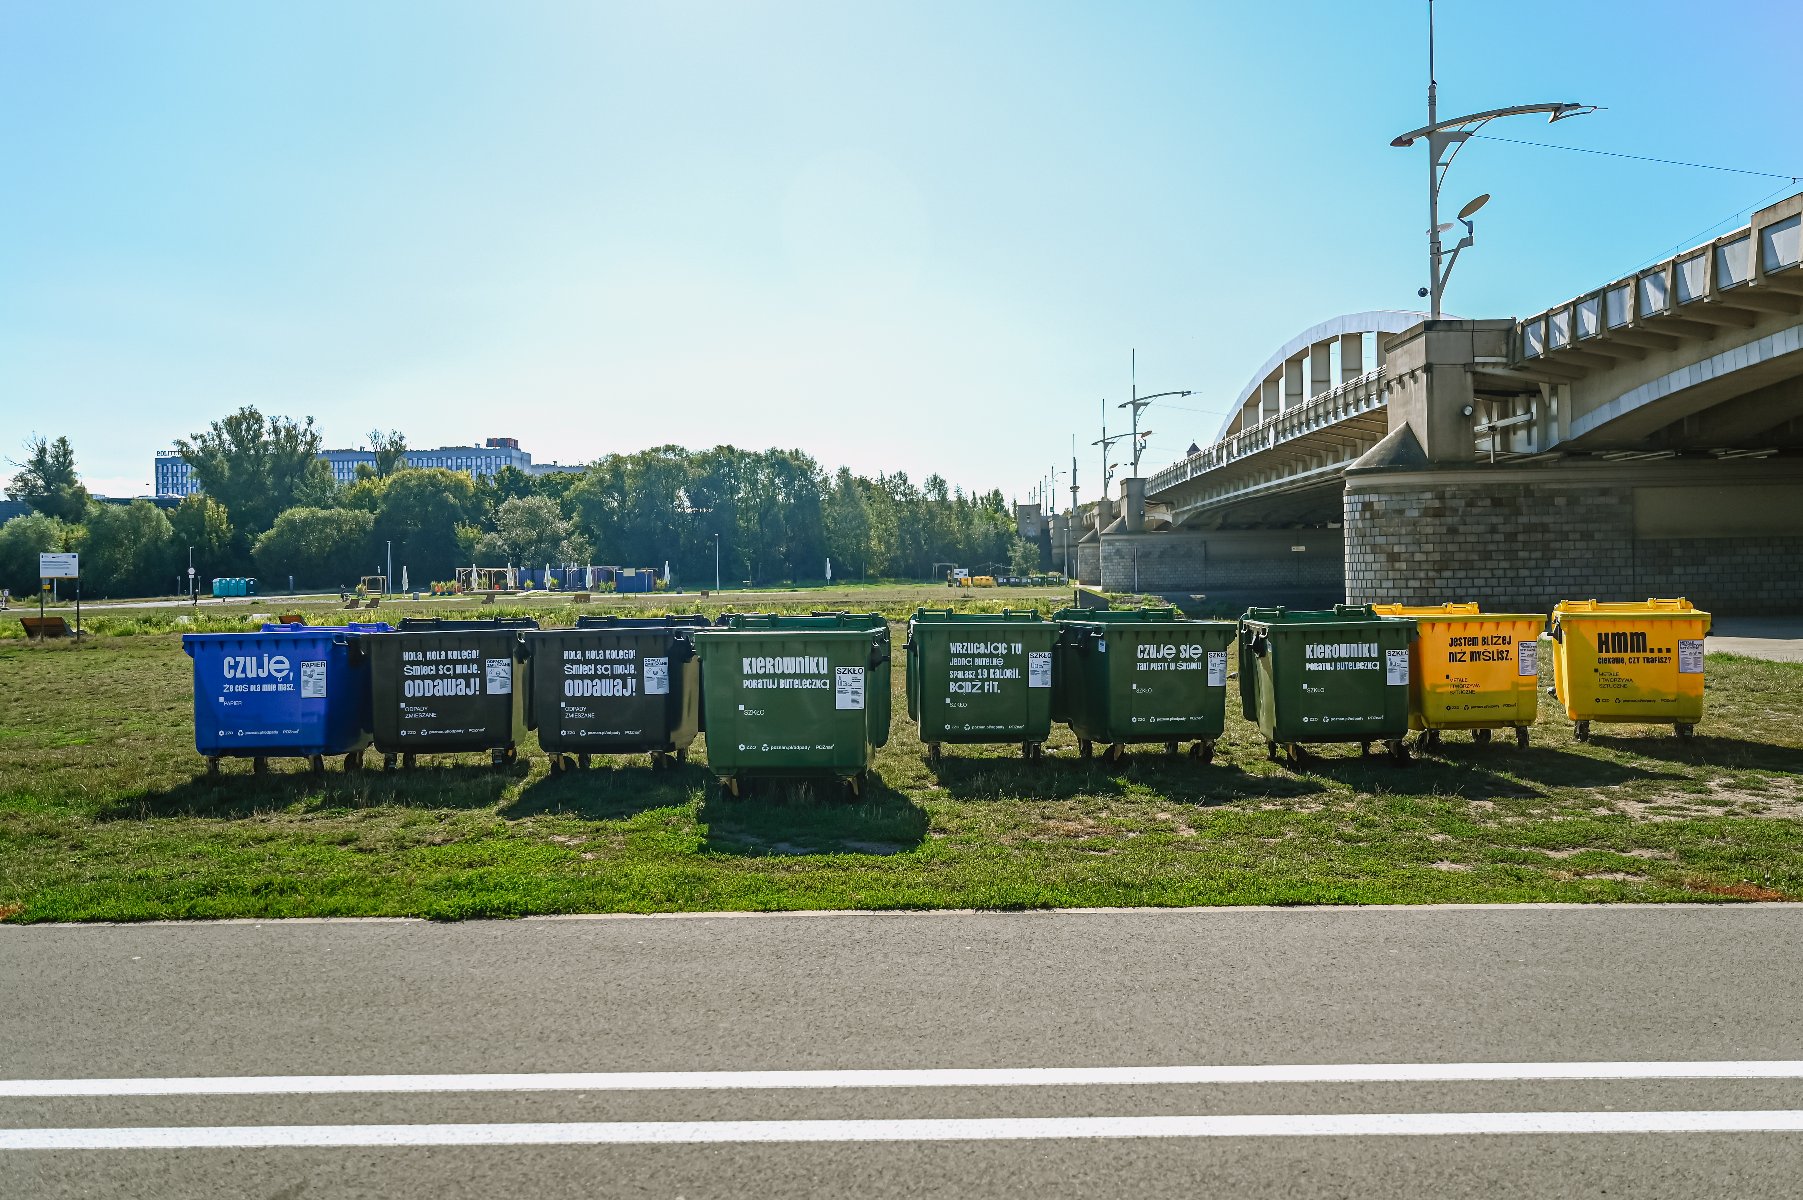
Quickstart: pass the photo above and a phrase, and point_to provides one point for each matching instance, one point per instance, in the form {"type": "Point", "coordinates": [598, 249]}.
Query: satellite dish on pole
{"type": "Point", "coordinates": [1474, 205]}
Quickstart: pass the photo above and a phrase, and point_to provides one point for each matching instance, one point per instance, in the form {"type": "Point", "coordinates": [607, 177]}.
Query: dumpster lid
{"type": "Point", "coordinates": [1102, 616]}
{"type": "Point", "coordinates": [946, 615]}
{"type": "Point", "coordinates": [673, 621]}
{"type": "Point", "coordinates": [816, 620]}
{"type": "Point", "coordinates": [1653, 607]}
{"type": "Point", "coordinates": [1450, 612]}
{"type": "Point", "coordinates": [347, 627]}
{"type": "Point", "coordinates": [444, 625]}
{"type": "Point", "coordinates": [1339, 614]}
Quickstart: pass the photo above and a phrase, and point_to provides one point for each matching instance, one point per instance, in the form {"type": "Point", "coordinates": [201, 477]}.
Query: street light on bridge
{"type": "Point", "coordinates": [1453, 134]}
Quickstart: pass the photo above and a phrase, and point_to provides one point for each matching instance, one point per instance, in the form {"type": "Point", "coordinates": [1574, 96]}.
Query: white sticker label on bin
{"type": "Point", "coordinates": [313, 680]}
{"type": "Point", "coordinates": [848, 687]}
{"type": "Point", "coordinates": [500, 677]}
{"type": "Point", "coordinates": [1396, 667]}
{"type": "Point", "coordinates": [657, 677]}
{"type": "Point", "coordinates": [1217, 668]}
{"type": "Point", "coordinates": [1527, 657]}
{"type": "Point", "coordinates": [1690, 656]}
{"type": "Point", "coordinates": [1039, 668]}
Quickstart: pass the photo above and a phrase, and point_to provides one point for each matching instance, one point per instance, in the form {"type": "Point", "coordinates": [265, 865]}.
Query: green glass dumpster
{"type": "Point", "coordinates": [1323, 676]}
{"type": "Point", "coordinates": [795, 697]}
{"type": "Point", "coordinates": [980, 678]}
{"type": "Point", "coordinates": [615, 685]}
{"type": "Point", "coordinates": [1142, 675]}
{"type": "Point", "coordinates": [448, 687]}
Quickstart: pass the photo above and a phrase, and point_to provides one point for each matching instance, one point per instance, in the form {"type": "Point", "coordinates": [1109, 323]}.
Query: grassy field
{"type": "Point", "coordinates": [105, 814]}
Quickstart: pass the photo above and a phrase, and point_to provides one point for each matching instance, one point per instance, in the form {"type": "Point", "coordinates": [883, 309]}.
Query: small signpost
{"type": "Point", "coordinates": [60, 566]}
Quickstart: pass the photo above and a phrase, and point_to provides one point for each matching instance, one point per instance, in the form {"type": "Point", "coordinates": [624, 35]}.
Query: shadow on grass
{"type": "Point", "coordinates": [1479, 772]}
{"type": "Point", "coordinates": [237, 793]}
{"type": "Point", "coordinates": [611, 789]}
{"type": "Point", "coordinates": [1066, 777]}
{"type": "Point", "coordinates": [1703, 750]}
{"type": "Point", "coordinates": [783, 818]}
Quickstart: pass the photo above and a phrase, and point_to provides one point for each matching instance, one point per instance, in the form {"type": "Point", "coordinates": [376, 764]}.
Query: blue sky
{"type": "Point", "coordinates": [909, 236]}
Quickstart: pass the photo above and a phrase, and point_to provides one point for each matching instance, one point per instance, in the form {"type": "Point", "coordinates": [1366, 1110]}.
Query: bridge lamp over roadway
{"type": "Point", "coordinates": [1444, 139]}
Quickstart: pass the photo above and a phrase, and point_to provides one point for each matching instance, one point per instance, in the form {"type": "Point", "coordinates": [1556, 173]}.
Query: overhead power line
{"type": "Point", "coordinates": [1669, 162]}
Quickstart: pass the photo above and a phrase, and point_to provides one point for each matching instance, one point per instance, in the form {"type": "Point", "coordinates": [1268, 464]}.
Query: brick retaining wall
{"type": "Point", "coordinates": [1528, 545]}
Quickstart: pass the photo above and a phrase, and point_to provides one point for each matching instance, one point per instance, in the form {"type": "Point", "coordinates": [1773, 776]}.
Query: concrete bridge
{"type": "Point", "coordinates": [1643, 438]}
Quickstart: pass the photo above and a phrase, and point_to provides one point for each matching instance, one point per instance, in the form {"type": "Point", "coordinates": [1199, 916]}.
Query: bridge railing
{"type": "Point", "coordinates": [1355, 396]}
{"type": "Point", "coordinates": [1762, 248]}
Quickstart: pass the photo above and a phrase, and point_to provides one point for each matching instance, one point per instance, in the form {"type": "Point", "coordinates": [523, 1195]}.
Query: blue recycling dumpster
{"type": "Point", "coordinates": [289, 691]}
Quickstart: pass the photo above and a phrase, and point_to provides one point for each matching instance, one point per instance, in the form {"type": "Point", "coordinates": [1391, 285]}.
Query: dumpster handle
{"type": "Point", "coordinates": [1558, 631]}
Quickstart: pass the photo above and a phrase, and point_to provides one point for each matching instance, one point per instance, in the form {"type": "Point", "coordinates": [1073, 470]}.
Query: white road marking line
{"type": "Point", "coordinates": [666, 1081]}
{"type": "Point", "coordinates": [666, 1133]}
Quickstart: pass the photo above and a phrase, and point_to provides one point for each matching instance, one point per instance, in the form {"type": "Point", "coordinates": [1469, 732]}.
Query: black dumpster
{"type": "Point", "coordinates": [615, 685]}
{"type": "Point", "coordinates": [448, 687]}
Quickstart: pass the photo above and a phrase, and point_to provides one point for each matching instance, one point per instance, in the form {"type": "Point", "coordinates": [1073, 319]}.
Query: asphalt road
{"type": "Point", "coordinates": [910, 992]}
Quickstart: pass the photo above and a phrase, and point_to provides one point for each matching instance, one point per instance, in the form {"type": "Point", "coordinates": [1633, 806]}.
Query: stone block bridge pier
{"type": "Point", "coordinates": [1642, 439]}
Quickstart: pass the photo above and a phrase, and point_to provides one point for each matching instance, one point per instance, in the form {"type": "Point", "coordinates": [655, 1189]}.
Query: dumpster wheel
{"type": "Point", "coordinates": [1270, 750]}
{"type": "Point", "coordinates": [1481, 736]}
{"type": "Point", "coordinates": [1581, 731]}
{"type": "Point", "coordinates": [1171, 749]}
{"type": "Point", "coordinates": [1085, 747]}
{"type": "Point", "coordinates": [353, 761]}
{"type": "Point", "coordinates": [1521, 737]}
{"type": "Point", "coordinates": [1116, 752]}
{"type": "Point", "coordinates": [933, 752]}
{"type": "Point", "coordinates": [1429, 739]}
{"type": "Point", "coordinates": [1032, 751]}
{"type": "Point", "coordinates": [388, 761]}
{"type": "Point", "coordinates": [855, 785]}
{"type": "Point", "coordinates": [1294, 752]}
{"type": "Point", "coordinates": [730, 786]}
{"type": "Point", "coordinates": [1203, 752]}
{"type": "Point", "coordinates": [1399, 750]}
{"type": "Point", "coordinates": [213, 766]}
{"type": "Point", "coordinates": [409, 760]}
{"type": "Point", "coordinates": [582, 761]}
{"type": "Point", "coordinates": [682, 757]}
{"type": "Point", "coordinates": [316, 764]}
{"type": "Point", "coordinates": [1684, 731]}
{"type": "Point", "coordinates": [259, 765]}
{"type": "Point", "coordinates": [555, 762]}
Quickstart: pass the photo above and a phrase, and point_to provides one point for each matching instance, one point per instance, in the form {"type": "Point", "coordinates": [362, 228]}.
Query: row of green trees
{"type": "Point", "coordinates": [271, 508]}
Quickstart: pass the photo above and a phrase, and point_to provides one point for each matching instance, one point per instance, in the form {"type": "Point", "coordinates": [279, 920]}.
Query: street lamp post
{"type": "Point", "coordinates": [716, 562]}
{"type": "Point", "coordinates": [1136, 403]}
{"type": "Point", "coordinates": [388, 578]}
{"type": "Point", "coordinates": [1444, 138]}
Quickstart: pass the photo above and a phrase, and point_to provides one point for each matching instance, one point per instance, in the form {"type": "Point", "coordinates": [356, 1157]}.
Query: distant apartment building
{"type": "Point", "coordinates": [175, 478]}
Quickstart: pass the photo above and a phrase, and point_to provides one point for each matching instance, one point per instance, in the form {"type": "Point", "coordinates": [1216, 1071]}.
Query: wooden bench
{"type": "Point", "coordinates": [292, 619]}
{"type": "Point", "coordinates": [44, 627]}
{"type": "Point", "coordinates": [580, 597]}
{"type": "Point", "coordinates": [353, 602]}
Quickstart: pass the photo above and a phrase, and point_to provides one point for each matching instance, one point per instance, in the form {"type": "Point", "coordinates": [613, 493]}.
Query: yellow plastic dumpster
{"type": "Point", "coordinates": [1630, 663]}
{"type": "Point", "coordinates": [1472, 670]}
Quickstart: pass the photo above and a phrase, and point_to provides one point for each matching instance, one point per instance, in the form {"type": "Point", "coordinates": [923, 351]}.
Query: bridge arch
{"type": "Point", "coordinates": [1302, 367]}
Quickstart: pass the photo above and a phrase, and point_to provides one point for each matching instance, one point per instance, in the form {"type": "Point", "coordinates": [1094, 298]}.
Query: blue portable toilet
{"type": "Point", "coordinates": [218, 587]}
{"type": "Point", "coordinates": [289, 691]}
